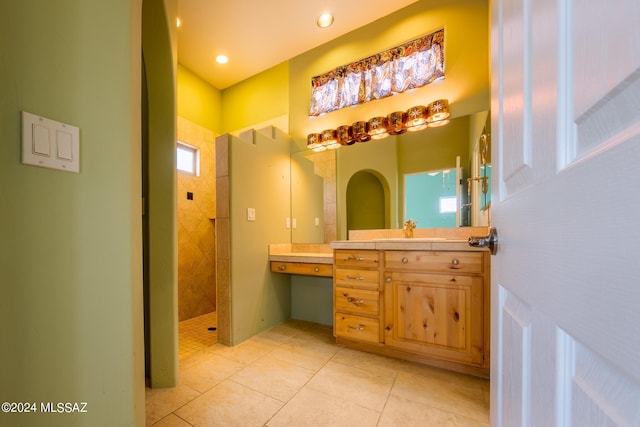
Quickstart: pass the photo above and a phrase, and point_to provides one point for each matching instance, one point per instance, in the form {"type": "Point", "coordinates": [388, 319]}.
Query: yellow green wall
{"type": "Point", "coordinates": [257, 99]}
{"type": "Point", "coordinates": [70, 245]}
{"type": "Point", "coordinates": [259, 178]}
{"type": "Point", "coordinates": [198, 101]}
{"type": "Point", "coordinates": [158, 45]}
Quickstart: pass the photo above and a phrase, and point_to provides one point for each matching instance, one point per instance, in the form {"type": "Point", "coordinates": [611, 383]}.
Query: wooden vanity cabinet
{"type": "Point", "coordinates": [356, 295]}
{"type": "Point", "coordinates": [431, 306]}
{"type": "Point", "coordinates": [435, 304]}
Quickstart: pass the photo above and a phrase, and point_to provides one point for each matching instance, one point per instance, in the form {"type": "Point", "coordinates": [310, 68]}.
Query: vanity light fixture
{"type": "Point", "coordinates": [378, 128]}
{"type": "Point", "coordinates": [345, 135]}
{"type": "Point", "coordinates": [314, 142]}
{"type": "Point", "coordinates": [325, 20]}
{"type": "Point", "coordinates": [438, 113]}
{"type": "Point", "coordinates": [330, 139]}
{"type": "Point", "coordinates": [361, 131]}
{"type": "Point", "coordinates": [396, 123]}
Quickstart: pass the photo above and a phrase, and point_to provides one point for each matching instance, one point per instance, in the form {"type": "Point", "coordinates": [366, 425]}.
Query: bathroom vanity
{"type": "Point", "coordinates": [422, 299]}
{"type": "Point", "coordinates": [305, 259]}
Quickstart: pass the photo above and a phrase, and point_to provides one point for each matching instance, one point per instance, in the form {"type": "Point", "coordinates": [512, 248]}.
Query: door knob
{"type": "Point", "coordinates": [490, 241]}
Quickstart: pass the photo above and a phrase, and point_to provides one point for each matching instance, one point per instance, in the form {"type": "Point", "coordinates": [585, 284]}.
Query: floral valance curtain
{"type": "Point", "coordinates": [410, 65]}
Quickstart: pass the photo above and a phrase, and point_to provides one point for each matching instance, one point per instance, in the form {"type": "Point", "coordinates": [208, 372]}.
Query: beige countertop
{"type": "Point", "coordinates": [315, 253]}
{"type": "Point", "coordinates": [429, 239]}
{"type": "Point", "coordinates": [323, 253]}
{"type": "Point", "coordinates": [406, 244]}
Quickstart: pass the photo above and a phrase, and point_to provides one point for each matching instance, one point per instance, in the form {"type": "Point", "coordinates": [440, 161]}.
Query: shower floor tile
{"type": "Point", "coordinates": [194, 334]}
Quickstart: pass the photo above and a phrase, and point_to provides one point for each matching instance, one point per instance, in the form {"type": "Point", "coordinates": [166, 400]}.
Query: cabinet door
{"type": "Point", "coordinates": [436, 315]}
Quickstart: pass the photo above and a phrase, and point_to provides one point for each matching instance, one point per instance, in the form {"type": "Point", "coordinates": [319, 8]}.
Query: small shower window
{"type": "Point", "coordinates": [188, 159]}
{"type": "Point", "coordinates": [448, 204]}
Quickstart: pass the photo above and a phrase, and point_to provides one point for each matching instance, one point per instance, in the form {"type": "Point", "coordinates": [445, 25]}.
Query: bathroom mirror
{"type": "Point", "coordinates": [374, 173]}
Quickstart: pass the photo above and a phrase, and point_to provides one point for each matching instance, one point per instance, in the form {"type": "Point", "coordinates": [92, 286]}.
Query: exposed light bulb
{"type": "Point", "coordinates": [222, 59]}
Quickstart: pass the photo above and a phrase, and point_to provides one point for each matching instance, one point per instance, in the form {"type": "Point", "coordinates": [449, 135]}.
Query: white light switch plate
{"type": "Point", "coordinates": [50, 144]}
{"type": "Point", "coordinates": [251, 214]}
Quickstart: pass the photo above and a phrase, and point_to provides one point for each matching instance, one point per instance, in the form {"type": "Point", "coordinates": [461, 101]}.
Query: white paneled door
{"type": "Point", "coordinates": [566, 204]}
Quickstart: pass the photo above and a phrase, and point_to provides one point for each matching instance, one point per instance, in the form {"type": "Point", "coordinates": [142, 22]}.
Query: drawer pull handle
{"type": "Point", "coordinates": [356, 327]}
{"type": "Point", "coordinates": [316, 269]}
{"type": "Point", "coordinates": [354, 301]}
{"type": "Point", "coordinates": [455, 261]}
{"type": "Point", "coordinates": [357, 258]}
{"type": "Point", "coordinates": [350, 277]}
{"type": "Point", "coordinates": [405, 260]}
{"type": "Point", "coordinates": [282, 267]}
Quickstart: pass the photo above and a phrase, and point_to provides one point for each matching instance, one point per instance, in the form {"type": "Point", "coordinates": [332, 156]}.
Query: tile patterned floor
{"type": "Point", "coordinates": [194, 334]}
{"type": "Point", "coordinates": [295, 375]}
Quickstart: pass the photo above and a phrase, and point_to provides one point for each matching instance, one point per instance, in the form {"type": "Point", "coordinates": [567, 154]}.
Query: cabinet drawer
{"type": "Point", "coordinates": [356, 258]}
{"type": "Point", "coordinates": [307, 269]}
{"type": "Point", "coordinates": [433, 261]}
{"type": "Point", "coordinates": [359, 278]}
{"type": "Point", "coordinates": [357, 328]}
{"type": "Point", "coordinates": [358, 301]}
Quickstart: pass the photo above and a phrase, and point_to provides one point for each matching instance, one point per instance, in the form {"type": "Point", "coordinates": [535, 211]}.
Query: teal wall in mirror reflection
{"type": "Point", "coordinates": [430, 198]}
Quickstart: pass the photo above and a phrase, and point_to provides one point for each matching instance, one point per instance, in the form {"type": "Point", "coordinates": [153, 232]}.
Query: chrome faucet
{"type": "Point", "coordinates": [409, 225]}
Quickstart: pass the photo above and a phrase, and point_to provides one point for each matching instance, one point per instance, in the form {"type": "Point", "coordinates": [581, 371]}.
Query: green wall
{"type": "Point", "coordinates": [312, 299]}
{"type": "Point", "coordinates": [257, 99]}
{"type": "Point", "coordinates": [70, 245]}
{"type": "Point", "coordinates": [198, 101]}
{"type": "Point", "coordinates": [366, 202]}
{"type": "Point", "coordinates": [158, 44]}
{"type": "Point", "coordinates": [307, 201]}
{"type": "Point", "coordinates": [259, 178]}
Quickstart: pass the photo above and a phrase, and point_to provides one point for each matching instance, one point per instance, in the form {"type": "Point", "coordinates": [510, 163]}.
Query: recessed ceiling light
{"type": "Point", "coordinates": [222, 59]}
{"type": "Point", "coordinates": [325, 20]}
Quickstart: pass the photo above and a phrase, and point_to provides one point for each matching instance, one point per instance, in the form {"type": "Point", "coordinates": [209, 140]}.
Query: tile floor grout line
{"type": "Point", "coordinates": [305, 335]}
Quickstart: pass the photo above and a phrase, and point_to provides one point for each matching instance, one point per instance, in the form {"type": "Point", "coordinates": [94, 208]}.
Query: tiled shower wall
{"type": "Point", "coordinates": [325, 166]}
{"type": "Point", "coordinates": [196, 226]}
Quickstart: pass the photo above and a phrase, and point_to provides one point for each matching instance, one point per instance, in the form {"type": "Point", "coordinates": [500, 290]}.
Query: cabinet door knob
{"type": "Point", "coordinates": [455, 261]}
{"type": "Point", "coordinates": [316, 269]}
{"type": "Point", "coordinates": [283, 267]}
{"type": "Point", "coordinates": [387, 279]}
{"type": "Point", "coordinates": [405, 260]}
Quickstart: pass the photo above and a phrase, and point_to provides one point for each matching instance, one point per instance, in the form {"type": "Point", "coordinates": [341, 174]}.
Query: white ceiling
{"type": "Point", "coordinates": [259, 34]}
